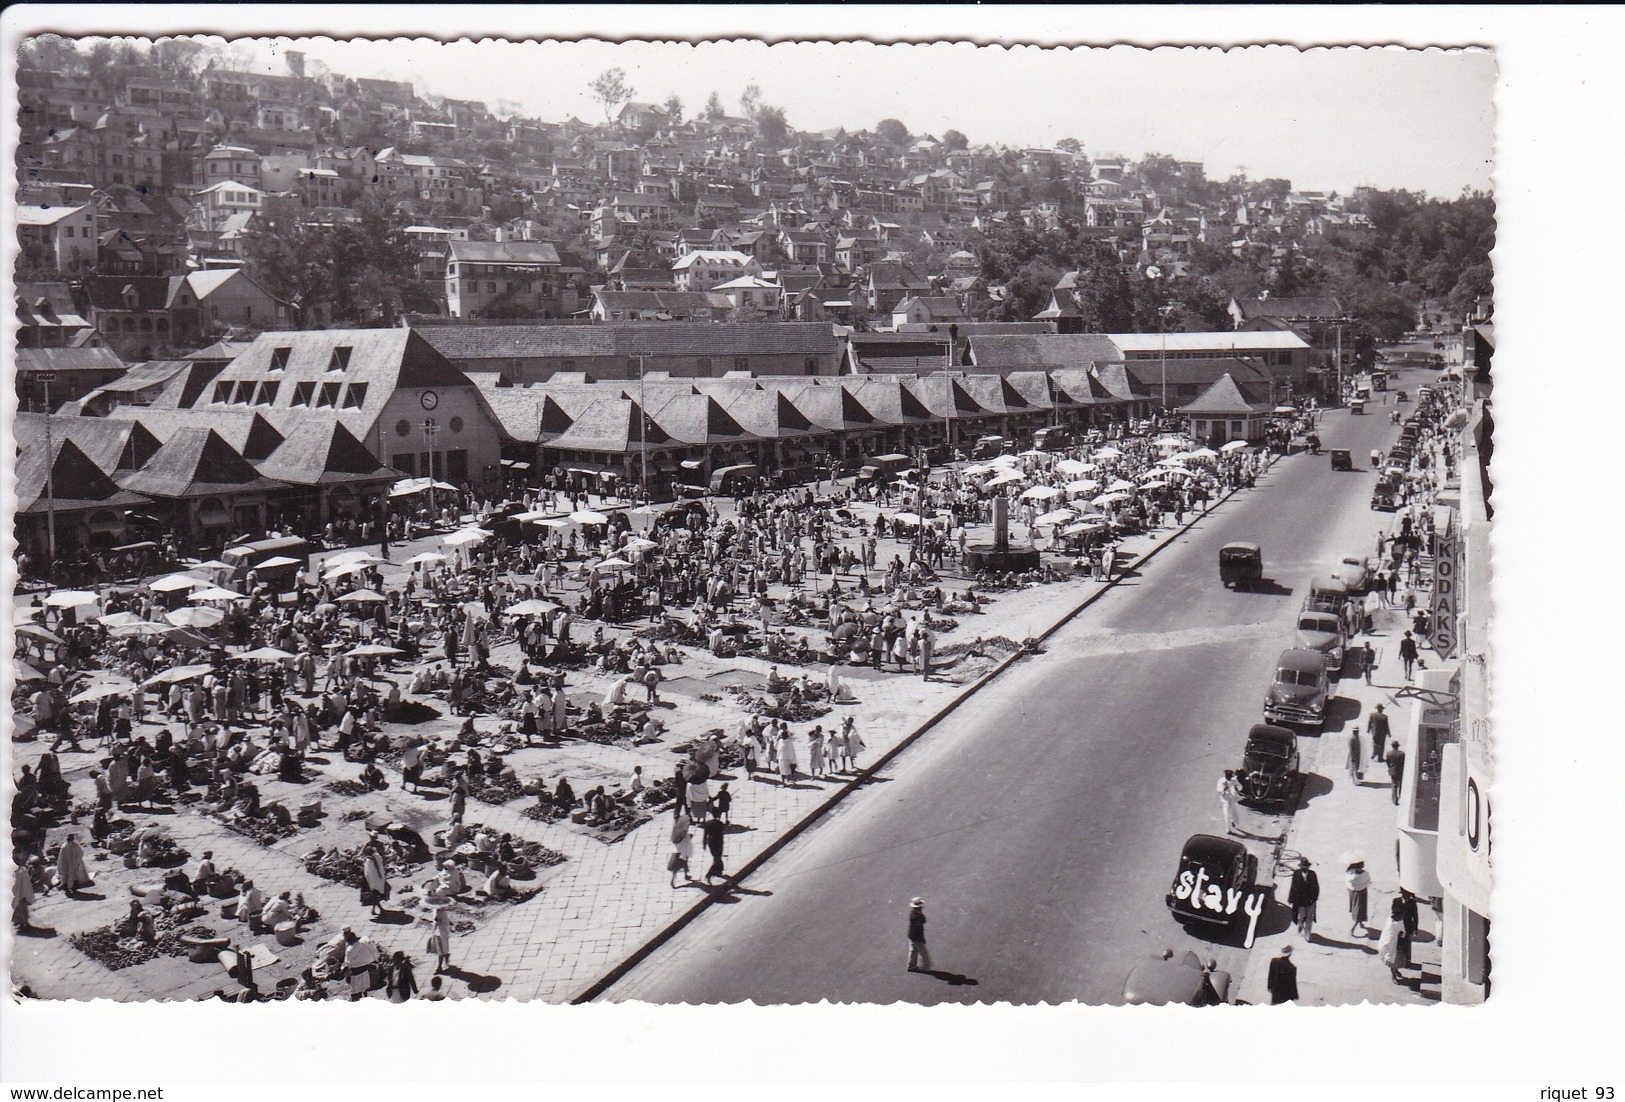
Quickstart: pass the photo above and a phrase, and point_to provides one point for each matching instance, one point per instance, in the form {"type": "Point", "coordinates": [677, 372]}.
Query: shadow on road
{"type": "Point", "coordinates": [953, 979]}
{"type": "Point", "coordinates": [1322, 939]}
{"type": "Point", "coordinates": [1269, 587]}
{"type": "Point", "coordinates": [1314, 785]}
{"type": "Point", "coordinates": [1340, 711]}
{"type": "Point", "coordinates": [477, 984]}
{"type": "Point", "coordinates": [729, 893]}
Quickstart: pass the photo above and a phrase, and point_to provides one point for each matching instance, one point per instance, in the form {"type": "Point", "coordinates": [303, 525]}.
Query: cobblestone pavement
{"type": "Point", "coordinates": [592, 911]}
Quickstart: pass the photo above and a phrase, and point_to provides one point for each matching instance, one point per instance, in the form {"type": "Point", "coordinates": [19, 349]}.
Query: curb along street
{"type": "Point", "coordinates": [796, 829]}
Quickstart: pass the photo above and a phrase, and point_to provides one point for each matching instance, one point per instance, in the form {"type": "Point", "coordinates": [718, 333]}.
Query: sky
{"type": "Point", "coordinates": [1327, 119]}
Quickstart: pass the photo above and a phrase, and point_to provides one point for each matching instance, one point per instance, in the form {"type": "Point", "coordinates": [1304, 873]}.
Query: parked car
{"type": "Point", "coordinates": [1327, 593]}
{"type": "Point", "coordinates": [1209, 862]}
{"type": "Point", "coordinates": [1299, 691]}
{"type": "Point", "coordinates": [1241, 565]}
{"type": "Point", "coordinates": [988, 447]}
{"type": "Point", "coordinates": [1355, 572]}
{"type": "Point", "coordinates": [1342, 460]}
{"type": "Point", "coordinates": [1175, 981]}
{"type": "Point", "coordinates": [1386, 495]}
{"type": "Point", "coordinates": [1322, 632]}
{"type": "Point", "coordinates": [1053, 438]}
{"type": "Point", "coordinates": [1269, 767]}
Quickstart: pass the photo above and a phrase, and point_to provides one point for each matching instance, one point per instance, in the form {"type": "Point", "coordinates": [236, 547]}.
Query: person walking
{"type": "Point", "coordinates": [1282, 981]}
{"type": "Point", "coordinates": [402, 983]}
{"type": "Point", "coordinates": [1395, 760]}
{"type": "Point", "coordinates": [787, 757]}
{"type": "Point", "coordinates": [1395, 948]}
{"type": "Point", "coordinates": [1370, 662]}
{"type": "Point", "coordinates": [1380, 731]}
{"type": "Point", "coordinates": [714, 833]}
{"type": "Point", "coordinates": [1407, 653]}
{"type": "Point", "coordinates": [1302, 895]}
{"type": "Point", "coordinates": [440, 939]}
{"type": "Point", "coordinates": [919, 955]}
{"type": "Point", "coordinates": [1229, 793]}
{"type": "Point", "coordinates": [1359, 886]}
{"type": "Point", "coordinates": [682, 848]}
{"type": "Point", "coordinates": [1404, 907]}
{"type": "Point", "coordinates": [1356, 760]}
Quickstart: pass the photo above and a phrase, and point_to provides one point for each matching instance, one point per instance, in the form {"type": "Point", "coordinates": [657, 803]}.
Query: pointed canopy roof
{"type": "Point", "coordinates": [833, 408]}
{"type": "Point", "coordinates": [891, 401]}
{"type": "Point", "coordinates": [193, 463]}
{"type": "Point", "coordinates": [1223, 398]}
{"type": "Point", "coordinates": [699, 419]}
{"type": "Point", "coordinates": [76, 482]}
{"type": "Point", "coordinates": [768, 414]}
{"type": "Point", "coordinates": [323, 452]}
{"type": "Point", "coordinates": [609, 425]}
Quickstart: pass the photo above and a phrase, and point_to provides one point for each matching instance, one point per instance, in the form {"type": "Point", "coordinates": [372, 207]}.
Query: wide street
{"type": "Point", "coordinates": [1042, 820]}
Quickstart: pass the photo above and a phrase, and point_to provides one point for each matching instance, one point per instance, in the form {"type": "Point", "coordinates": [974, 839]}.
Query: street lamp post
{"type": "Point", "coordinates": [430, 428]}
{"type": "Point", "coordinates": [383, 501]}
{"type": "Point", "coordinates": [643, 431]}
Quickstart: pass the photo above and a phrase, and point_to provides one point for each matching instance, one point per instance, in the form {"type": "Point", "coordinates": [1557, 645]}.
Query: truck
{"type": "Point", "coordinates": [884, 468]}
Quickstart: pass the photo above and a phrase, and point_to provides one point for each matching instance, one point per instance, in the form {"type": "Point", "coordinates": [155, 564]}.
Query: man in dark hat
{"type": "Point", "coordinates": [1283, 978]}
{"type": "Point", "coordinates": [1379, 732]}
{"type": "Point", "coordinates": [919, 957]}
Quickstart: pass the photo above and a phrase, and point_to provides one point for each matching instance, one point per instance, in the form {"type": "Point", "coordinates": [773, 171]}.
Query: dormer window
{"type": "Point", "coordinates": [279, 358]}
{"type": "Point", "coordinates": [340, 360]}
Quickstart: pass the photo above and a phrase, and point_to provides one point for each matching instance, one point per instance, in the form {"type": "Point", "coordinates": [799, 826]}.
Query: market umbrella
{"type": "Point", "coordinates": [1040, 493]}
{"type": "Point", "coordinates": [532, 607]}
{"type": "Point", "coordinates": [1204, 453]}
{"type": "Point", "coordinates": [346, 558]}
{"type": "Point", "coordinates": [277, 560]}
{"type": "Point", "coordinates": [214, 593]}
{"type": "Point", "coordinates": [359, 595]}
{"type": "Point", "coordinates": [1170, 442]}
{"type": "Point", "coordinates": [1154, 473]}
{"type": "Point", "coordinates": [25, 672]}
{"type": "Point", "coordinates": [195, 617]}
{"type": "Point", "coordinates": [1093, 524]}
{"type": "Point", "coordinates": [1154, 484]}
{"type": "Point", "coordinates": [177, 673]}
{"type": "Point", "coordinates": [118, 619]}
{"type": "Point", "coordinates": [138, 629]}
{"type": "Point", "coordinates": [344, 569]}
{"type": "Point", "coordinates": [72, 598]}
{"type": "Point", "coordinates": [464, 536]}
{"type": "Point", "coordinates": [1108, 452]}
{"type": "Point", "coordinates": [532, 515]}
{"type": "Point", "coordinates": [1286, 409]}
{"type": "Point", "coordinates": [1083, 486]}
{"type": "Point", "coordinates": [372, 650]}
{"type": "Point", "coordinates": [1074, 466]}
{"type": "Point", "coordinates": [96, 692]}
{"type": "Point", "coordinates": [1055, 516]}
{"type": "Point", "coordinates": [1107, 499]}
{"type": "Point", "coordinates": [612, 564]}
{"type": "Point", "coordinates": [1005, 461]}
{"type": "Point", "coordinates": [550, 522]}
{"type": "Point", "coordinates": [174, 582]}
{"type": "Point", "coordinates": [1031, 453]}
{"type": "Point", "coordinates": [406, 487]}
{"type": "Point", "coordinates": [589, 516]}
{"type": "Point", "coordinates": [216, 564]}
{"type": "Point", "coordinates": [1004, 479]}
{"type": "Point", "coordinates": [1233, 446]}
{"type": "Point", "coordinates": [425, 557]}
{"type": "Point", "coordinates": [638, 543]}
{"type": "Point", "coordinates": [1119, 484]}
{"type": "Point", "coordinates": [267, 654]}
{"type": "Point", "coordinates": [41, 633]}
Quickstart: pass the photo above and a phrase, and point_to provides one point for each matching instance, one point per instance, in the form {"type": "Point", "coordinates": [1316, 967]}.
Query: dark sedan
{"type": "Point", "coordinates": [1269, 766]}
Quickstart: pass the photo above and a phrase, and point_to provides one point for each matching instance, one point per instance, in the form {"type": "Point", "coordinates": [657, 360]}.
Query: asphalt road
{"type": "Point", "coordinates": [1042, 821]}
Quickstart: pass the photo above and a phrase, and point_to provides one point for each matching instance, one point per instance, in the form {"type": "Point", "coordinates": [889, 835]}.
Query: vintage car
{"type": "Point", "coordinates": [1322, 632]}
{"type": "Point", "coordinates": [1327, 593]}
{"type": "Point", "coordinates": [1386, 495]}
{"type": "Point", "coordinates": [1269, 767]}
{"type": "Point", "coordinates": [1401, 396]}
{"type": "Point", "coordinates": [1357, 405]}
{"type": "Point", "coordinates": [1299, 691]}
{"type": "Point", "coordinates": [988, 447]}
{"type": "Point", "coordinates": [1207, 862]}
{"type": "Point", "coordinates": [1175, 981]}
{"type": "Point", "coordinates": [1241, 565]}
{"type": "Point", "coordinates": [1354, 572]}
{"type": "Point", "coordinates": [1341, 459]}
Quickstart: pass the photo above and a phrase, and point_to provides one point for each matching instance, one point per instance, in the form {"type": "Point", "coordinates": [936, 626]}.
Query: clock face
{"type": "Point", "coordinates": [430, 399]}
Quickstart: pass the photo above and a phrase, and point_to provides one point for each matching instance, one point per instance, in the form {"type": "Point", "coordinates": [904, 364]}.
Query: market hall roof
{"type": "Point", "coordinates": [76, 482]}
{"type": "Point", "coordinates": [465, 344]}
{"type": "Point", "coordinates": [193, 463]}
{"type": "Point", "coordinates": [320, 452]}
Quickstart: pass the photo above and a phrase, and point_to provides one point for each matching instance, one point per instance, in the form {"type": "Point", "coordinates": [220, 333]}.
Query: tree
{"type": "Point", "coordinates": [178, 59]}
{"type": "Point", "coordinates": [713, 107]}
{"type": "Point", "coordinates": [1069, 145]}
{"type": "Point", "coordinates": [892, 132]}
{"type": "Point", "coordinates": [953, 140]}
{"type": "Point", "coordinates": [674, 109]}
{"type": "Point", "coordinates": [750, 101]}
{"type": "Point", "coordinates": [610, 88]}
{"type": "Point", "coordinates": [770, 124]}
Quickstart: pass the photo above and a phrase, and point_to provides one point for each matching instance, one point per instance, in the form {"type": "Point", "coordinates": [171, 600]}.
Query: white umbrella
{"type": "Point", "coordinates": [532, 515]}
{"type": "Point", "coordinates": [344, 569]}
{"type": "Point", "coordinates": [1083, 486]}
{"type": "Point", "coordinates": [1155, 484]}
{"type": "Point", "coordinates": [213, 593]}
{"type": "Point", "coordinates": [466, 536]}
{"type": "Point", "coordinates": [1107, 499]}
{"type": "Point", "coordinates": [589, 516]}
{"type": "Point", "coordinates": [1157, 472]}
{"type": "Point", "coordinates": [532, 607]}
{"type": "Point", "coordinates": [71, 598]}
{"type": "Point", "coordinates": [1055, 516]}
{"type": "Point", "coordinates": [1108, 452]}
{"type": "Point", "coordinates": [139, 628]}
{"type": "Point", "coordinates": [1204, 453]}
{"type": "Point", "coordinates": [359, 595]}
{"type": "Point", "coordinates": [177, 673]}
{"type": "Point", "coordinates": [1286, 409]}
{"type": "Point", "coordinates": [1233, 446]}
{"type": "Point", "coordinates": [409, 486]}
{"type": "Point", "coordinates": [277, 560]}
{"type": "Point", "coordinates": [977, 470]}
{"type": "Point", "coordinates": [195, 617]}
{"type": "Point", "coordinates": [612, 564]}
{"type": "Point", "coordinates": [1031, 453]}
{"type": "Point", "coordinates": [96, 692]}
{"type": "Point", "coordinates": [1074, 466]}
{"type": "Point", "coordinates": [174, 582]}
{"type": "Point", "coordinates": [1091, 525]}
{"type": "Point", "coordinates": [1171, 442]}
{"type": "Point", "coordinates": [1004, 479]}
{"type": "Point", "coordinates": [427, 556]}
{"type": "Point", "coordinates": [906, 518]}
{"type": "Point", "coordinates": [550, 522]}
{"type": "Point", "coordinates": [1119, 484]}
{"type": "Point", "coordinates": [267, 654]}
{"type": "Point", "coordinates": [638, 543]}
{"type": "Point", "coordinates": [347, 558]}
{"type": "Point", "coordinates": [216, 564]}
{"type": "Point", "coordinates": [1040, 493]}
{"type": "Point", "coordinates": [118, 619]}
{"type": "Point", "coordinates": [372, 650]}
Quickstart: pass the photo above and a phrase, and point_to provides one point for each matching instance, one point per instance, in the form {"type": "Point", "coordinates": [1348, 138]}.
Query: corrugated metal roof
{"type": "Point", "coordinates": [469, 344]}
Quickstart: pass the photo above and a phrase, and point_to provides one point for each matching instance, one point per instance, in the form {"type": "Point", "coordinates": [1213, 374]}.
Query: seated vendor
{"type": "Point", "coordinates": [373, 778]}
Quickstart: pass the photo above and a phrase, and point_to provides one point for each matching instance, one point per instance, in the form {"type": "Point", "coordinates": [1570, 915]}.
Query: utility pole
{"type": "Point", "coordinates": [643, 430]}
{"type": "Point", "coordinates": [430, 427]}
{"type": "Point", "coordinates": [383, 499]}
{"type": "Point", "coordinates": [46, 378]}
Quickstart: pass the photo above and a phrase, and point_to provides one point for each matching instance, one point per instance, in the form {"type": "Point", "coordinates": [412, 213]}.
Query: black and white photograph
{"type": "Point", "coordinates": [655, 523]}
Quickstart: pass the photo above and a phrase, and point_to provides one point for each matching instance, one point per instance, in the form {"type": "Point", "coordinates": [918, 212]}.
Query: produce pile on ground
{"type": "Point", "coordinates": [343, 866]}
{"type": "Point", "coordinates": [265, 830]}
{"type": "Point", "coordinates": [106, 947]}
{"type": "Point", "coordinates": [494, 790]}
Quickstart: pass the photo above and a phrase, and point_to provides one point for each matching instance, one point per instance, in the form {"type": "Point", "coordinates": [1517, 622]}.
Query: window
{"type": "Point", "coordinates": [355, 395]}
{"type": "Point", "coordinates": [340, 359]}
{"type": "Point", "coordinates": [810, 365]}
{"type": "Point", "coordinates": [301, 394]}
{"type": "Point", "coordinates": [456, 466]}
{"type": "Point", "coordinates": [265, 395]}
{"type": "Point", "coordinates": [403, 428]}
{"type": "Point", "coordinates": [328, 396]}
{"type": "Point", "coordinates": [279, 358]}
{"type": "Point", "coordinates": [456, 424]}
{"type": "Point", "coordinates": [222, 392]}
{"type": "Point", "coordinates": [741, 363]}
